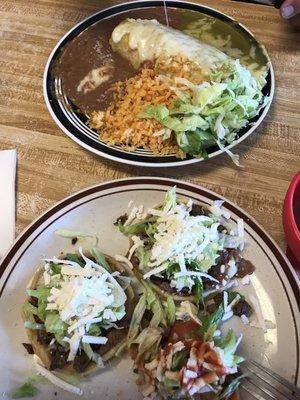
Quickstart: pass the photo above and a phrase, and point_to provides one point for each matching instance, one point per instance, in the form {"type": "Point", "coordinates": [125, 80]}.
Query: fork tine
{"type": "Point", "coordinates": [275, 387]}
{"type": "Point", "coordinates": [265, 389]}
{"type": "Point", "coordinates": [275, 376]}
{"type": "Point", "coordinates": [254, 391]}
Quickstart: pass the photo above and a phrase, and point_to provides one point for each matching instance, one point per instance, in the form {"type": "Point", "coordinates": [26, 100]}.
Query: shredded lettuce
{"type": "Point", "coordinates": [154, 304]}
{"type": "Point", "coordinates": [213, 112]}
{"type": "Point", "coordinates": [137, 316]}
{"type": "Point", "coordinates": [33, 325]}
{"type": "Point", "coordinates": [179, 360]}
{"type": "Point", "coordinates": [132, 229]}
{"type": "Point", "coordinates": [55, 268]}
{"type": "Point", "coordinates": [170, 199]}
{"type": "Point", "coordinates": [95, 330]}
{"type": "Point", "coordinates": [170, 311]}
{"type": "Point", "coordinates": [148, 338]}
{"type": "Point", "coordinates": [41, 293]}
{"type": "Point", "coordinates": [227, 347]}
{"type": "Point", "coordinates": [74, 257]}
{"type": "Point", "coordinates": [144, 257]}
{"type": "Point", "coordinates": [55, 325]}
{"type": "Point", "coordinates": [26, 390]}
{"type": "Point", "coordinates": [210, 323]}
{"type": "Point", "coordinates": [100, 259]}
{"type": "Point", "coordinates": [199, 292]}
{"type": "Point", "coordinates": [195, 142]}
{"type": "Point", "coordinates": [29, 311]}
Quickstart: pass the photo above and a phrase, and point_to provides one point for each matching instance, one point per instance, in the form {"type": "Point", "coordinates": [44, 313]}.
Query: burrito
{"type": "Point", "coordinates": [141, 40]}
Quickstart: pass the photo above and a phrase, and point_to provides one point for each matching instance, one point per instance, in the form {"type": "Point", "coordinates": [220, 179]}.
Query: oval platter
{"type": "Point", "coordinates": [74, 123]}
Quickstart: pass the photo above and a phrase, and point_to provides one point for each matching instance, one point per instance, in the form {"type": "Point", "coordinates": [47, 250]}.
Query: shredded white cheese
{"type": "Point", "coordinates": [232, 269]}
{"type": "Point", "coordinates": [85, 295]}
{"type": "Point", "coordinates": [227, 315]}
{"type": "Point", "coordinates": [195, 273]}
{"type": "Point", "coordinates": [257, 308]}
{"type": "Point", "coordinates": [94, 339]}
{"type": "Point", "coordinates": [155, 271]}
{"type": "Point", "coordinates": [137, 242]}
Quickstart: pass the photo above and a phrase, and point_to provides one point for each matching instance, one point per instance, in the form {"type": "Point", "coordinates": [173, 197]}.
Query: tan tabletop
{"type": "Point", "coordinates": [51, 166]}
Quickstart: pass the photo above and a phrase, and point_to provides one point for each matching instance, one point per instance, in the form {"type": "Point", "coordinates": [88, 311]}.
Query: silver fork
{"type": "Point", "coordinates": [263, 384]}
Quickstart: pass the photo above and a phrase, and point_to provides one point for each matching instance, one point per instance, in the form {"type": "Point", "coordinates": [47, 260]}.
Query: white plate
{"type": "Point", "coordinates": [73, 123]}
{"type": "Point", "coordinates": [94, 210]}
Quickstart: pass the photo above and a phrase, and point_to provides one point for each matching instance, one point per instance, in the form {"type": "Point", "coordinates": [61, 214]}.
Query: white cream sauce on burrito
{"type": "Point", "coordinates": [153, 40]}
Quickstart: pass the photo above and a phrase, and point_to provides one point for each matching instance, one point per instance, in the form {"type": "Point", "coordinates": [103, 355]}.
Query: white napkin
{"type": "Point", "coordinates": [8, 159]}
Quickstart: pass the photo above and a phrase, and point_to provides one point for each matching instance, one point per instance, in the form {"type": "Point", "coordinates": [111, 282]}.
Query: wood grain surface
{"type": "Point", "coordinates": [51, 166]}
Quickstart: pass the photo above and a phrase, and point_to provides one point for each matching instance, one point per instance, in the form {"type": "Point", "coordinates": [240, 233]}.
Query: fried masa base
{"type": "Point", "coordinates": [42, 350]}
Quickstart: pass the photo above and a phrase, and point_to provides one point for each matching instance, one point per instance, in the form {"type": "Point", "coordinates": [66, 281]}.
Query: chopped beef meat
{"type": "Point", "coordinates": [38, 320]}
{"type": "Point", "coordinates": [33, 301]}
{"type": "Point", "coordinates": [121, 220]}
{"type": "Point", "coordinates": [245, 267]}
{"type": "Point", "coordinates": [114, 336]}
{"type": "Point", "coordinates": [242, 307]}
{"type": "Point", "coordinates": [197, 210]}
{"type": "Point", "coordinates": [59, 356]}
{"type": "Point", "coordinates": [217, 300]}
{"type": "Point", "coordinates": [74, 241]}
{"type": "Point", "coordinates": [28, 347]}
{"type": "Point", "coordinates": [44, 337]}
{"type": "Point", "coordinates": [215, 272]}
{"type": "Point", "coordinates": [164, 285]}
{"type": "Point", "coordinates": [236, 255]}
{"type": "Point", "coordinates": [146, 239]}
{"type": "Point", "coordinates": [81, 361]}
{"type": "Point", "coordinates": [135, 262]}
{"type": "Point", "coordinates": [227, 254]}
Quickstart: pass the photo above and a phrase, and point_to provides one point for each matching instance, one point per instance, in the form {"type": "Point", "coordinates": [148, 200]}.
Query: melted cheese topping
{"type": "Point", "coordinates": [153, 40]}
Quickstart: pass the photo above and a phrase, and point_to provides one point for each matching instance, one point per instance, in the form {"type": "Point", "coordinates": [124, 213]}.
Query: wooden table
{"type": "Point", "coordinates": [51, 166]}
